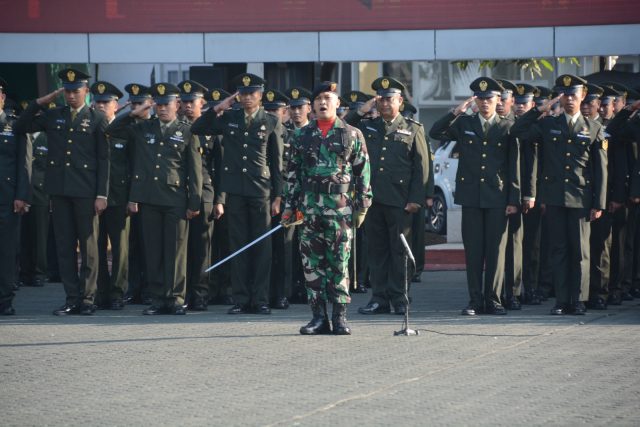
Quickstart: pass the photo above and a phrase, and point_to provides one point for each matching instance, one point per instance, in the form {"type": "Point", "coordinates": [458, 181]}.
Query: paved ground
{"type": "Point", "coordinates": [120, 368]}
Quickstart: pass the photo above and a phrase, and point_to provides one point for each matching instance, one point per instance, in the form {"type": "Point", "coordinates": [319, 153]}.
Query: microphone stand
{"type": "Point", "coordinates": [408, 255]}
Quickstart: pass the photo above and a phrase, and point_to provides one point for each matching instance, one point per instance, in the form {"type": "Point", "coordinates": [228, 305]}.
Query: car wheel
{"type": "Point", "coordinates": [437, 217]}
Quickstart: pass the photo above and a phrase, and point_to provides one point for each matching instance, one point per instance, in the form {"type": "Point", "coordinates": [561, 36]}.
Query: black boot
{"type": "Point", "coordinates": [339, 319]}
{"type": "Point", "coordinates": [319, 324]}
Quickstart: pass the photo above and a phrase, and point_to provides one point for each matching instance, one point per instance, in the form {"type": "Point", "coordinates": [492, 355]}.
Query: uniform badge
{"type": "Point", "coordinates": [71, 76]}
{"type": "Point", "coordinates": [101, 88]}
{"type": "Point", "coordinates": [403, 131]}
{"type": "Point", "coordinates": [161, 89]}
{"type": "Point", "coordinates": [270, 96]}
{"type": "Point", "coordinates": [483, 85]}
{"type": "Point", "coordinates": [354, 97]}
{"type": "Point", "coordinates": [295, 93]}
{"type": "Point", "coordinates": [333, 87]}
{"type": "Point", "coordinates": [118, 145]}
{"type": "Point", "coordinates": [215, 95]}
{"type": "Point", "coordinates": [605, 144]}
{"type": "Point", "coordinates": [135, 89]}
{"type": "Point", "coordinates": [178, 133]}
{"type": "Point", "coordinates": [85, 123]}
{"type": "Point", "coordinates": [187, 87]}
{"type": "Point", "coordinates": [567, 81]}
{"type": "Point", "coordinates": [246, 80]}
{"type": "Point", "coordinates": [263, 127]}
{"type": "Point", "coordinates": [385, 83]}
{"type": "Point", "coordinates": [520, 90]}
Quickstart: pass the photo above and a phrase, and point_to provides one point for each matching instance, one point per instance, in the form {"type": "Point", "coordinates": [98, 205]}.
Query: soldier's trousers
{"type": "Point", "coordinates": [114, 226]}
{"type": "Point", "coordinates": [137, 264]}
{"type": "Point", "coordinates": [417, 239]}
{"type": "Point", "coordinates": [600, 247]}
{"type": "Point", "coordinates": [249, 218]}
{"type": "Point", "coordinates": [359, 261]}
{"type": "Point", "coordinates": [569, 231]}
{"type": "Point", "coordinates": [75, 223]}
{"type": "Point", "coordinates": [33, 250]}
{"type": "Point", "coordinates": [282, 261]}
{"type": "Point", "coordinates": [385, 252]}
{"type": "Point", "coordinates": [199, 253]}
{"type": "Point", "coordinates": [631, 272]}
{"type": "Point", "coordinates": [9, 223]}
{"type": "Point", "coordinates": [532, 226]}
{"type": "Point", "coordinates": [325, 246]}
{"type": "Point", "coordinates": [165, 243]}
{"type": "Point", "coordinates": [618, 241]}
{"type": "Point", "coordinates": [513, 256]}
{"type": "Point", "coordinates": [484, 236]}
{"type": "Point", "coordinates": [220, 278]}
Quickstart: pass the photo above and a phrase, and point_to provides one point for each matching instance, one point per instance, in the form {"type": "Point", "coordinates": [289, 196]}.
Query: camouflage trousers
{"type": "Point", "coordinates": [325, 247]}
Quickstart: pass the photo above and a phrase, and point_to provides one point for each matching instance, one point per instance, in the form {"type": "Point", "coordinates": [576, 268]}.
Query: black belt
{"type": "Point", "coordinates": [327, 187]}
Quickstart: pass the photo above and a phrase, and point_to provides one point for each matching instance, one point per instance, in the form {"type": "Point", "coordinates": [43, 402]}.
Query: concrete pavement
{"type": "Point", "coordinates": [122, 368]}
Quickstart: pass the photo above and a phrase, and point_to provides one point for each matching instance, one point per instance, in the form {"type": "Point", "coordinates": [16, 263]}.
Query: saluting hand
{"type": "Point", "coordinates": [225, 104]}
{"type": "Point", "coordinates": [140, 112]}
{"type": "Point", "coordinates": [548, 104]}
{"type": "Point", "coordinates": [464, 106]}
{"type": "Point", "coordinates": [49, 98]}
{"type": "Point", "coordinates": [368, 106]}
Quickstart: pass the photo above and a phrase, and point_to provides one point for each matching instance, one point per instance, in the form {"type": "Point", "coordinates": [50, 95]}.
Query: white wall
{"type": "Point", "coordinates": [497, 43]}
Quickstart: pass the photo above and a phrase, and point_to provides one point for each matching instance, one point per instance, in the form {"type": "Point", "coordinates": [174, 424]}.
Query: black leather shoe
{"type": "Point", "coordinates": [198, 305]}
{"type": "Point", "coordinates": [626, 296]}
{"type": "Point", "coordinates": [597, 304]}
{"type": "Point", "coordinates": [7, 310]}
{"type": "Point", "coordinates": [87, 309]}
{"type": "Point", "coordinates": [579, 309]}
{"type": "Point", "coordinates": [615, 299]}
{"type": "Point", "coordinates": [635, 292]}
{"type": "Point", "coordinates": [281, 304]}
{"type": "Point", "coordinates": [38, 282]}
{"type": "Point", "coordinates": [339, 320]}
{"type": "Point", "coordinates": [67, 309]}
{"type": "Point", "coordinates": [400, 308]}
{"type": "Point", "coordinates": [178, 310]}
{"type": "Point", "coordinates": [237, 309]}
{"type": "Point", "coordinates": [416, 278]}
{"type": "Point", "coordinates": [497, 309]}
{"type": "Point", "coordinates": [360, 289]}
{"type": "Point", "coordinates": [558, 310]}
{"type": "Point", "coordinates": [116, 304]}
{"type": "Point", "coordinates": [375, 308]}
{"type": "Point", "coordinates": [227, 300]}
{"type": "Point", "coordinates": [514, 303]}
{"type": "Point", "coordinates": [147, 300]}
{"type": "Point", "coordinates": [153, 310]}
{"type": "Point", "coordinates": [263, 309]}
{"type": "Point", "coordinates": [469, 310]}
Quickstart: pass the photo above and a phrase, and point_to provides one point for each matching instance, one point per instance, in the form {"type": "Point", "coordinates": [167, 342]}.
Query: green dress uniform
{"type": "Point", "coordinates": [35, 223]}
{"type": "Point", "coordinates": [114, 221]}
{"type": "Point", "coordinates": [166, 181]}
{"type": "Point", "coordinates": [399, 172]}
{"type": "Point", "coordinates": [574, 181]}
{"type": "Point", "coordinates": [251, 173]}
{"type": "Point", "coordinates": [487, 180]}
{"type": "Point", "coordinates": [77, 174]}
{"type": "Point", "coordinates": [625, 131]}
{"type": "Point", "coordinates": [15, 171]}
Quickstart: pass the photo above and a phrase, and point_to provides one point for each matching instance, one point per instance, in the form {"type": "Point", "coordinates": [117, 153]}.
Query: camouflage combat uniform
{"type": "Point", "coordinates": [327, 180]}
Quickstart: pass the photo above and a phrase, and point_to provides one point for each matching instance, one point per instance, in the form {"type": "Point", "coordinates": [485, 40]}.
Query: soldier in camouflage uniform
{"type": "Point", "coordinates": [329, 163]}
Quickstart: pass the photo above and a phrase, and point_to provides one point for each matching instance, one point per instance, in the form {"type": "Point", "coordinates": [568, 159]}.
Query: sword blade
{"type": "Point", "coordinates": [245, 247]}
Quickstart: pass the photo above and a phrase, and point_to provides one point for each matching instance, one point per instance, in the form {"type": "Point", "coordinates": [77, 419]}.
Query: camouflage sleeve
{"type": "Point", "coordinates": [361, 172]}
{"type": "Point", "coordinates": [292, 186]}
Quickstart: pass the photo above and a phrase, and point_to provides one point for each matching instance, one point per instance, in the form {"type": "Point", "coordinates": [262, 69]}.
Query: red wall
{"type": "Point", "coordinates": [184, 16]}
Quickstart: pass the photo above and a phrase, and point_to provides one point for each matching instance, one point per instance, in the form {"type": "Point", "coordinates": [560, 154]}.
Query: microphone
{"type": "Point", "coordinates": [407, 249]}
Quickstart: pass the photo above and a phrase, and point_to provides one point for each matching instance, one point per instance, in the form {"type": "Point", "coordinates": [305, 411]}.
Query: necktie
{"type": "Point", "coordinates": [163, 128]}
{"type": "Point", "coordinates": [248, 121]}
{"type": "Point", "coordinates": [485, 127]}
{"type": "Point", "coordinates": [74, 114]}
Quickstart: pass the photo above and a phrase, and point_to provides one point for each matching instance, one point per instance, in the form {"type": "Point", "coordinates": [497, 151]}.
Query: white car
{"type": "Point", "coordinates": [445, 165]}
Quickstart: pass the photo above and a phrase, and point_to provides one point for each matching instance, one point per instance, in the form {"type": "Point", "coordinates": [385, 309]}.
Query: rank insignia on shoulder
{"type": "Point", "coordinates": [605, 144]}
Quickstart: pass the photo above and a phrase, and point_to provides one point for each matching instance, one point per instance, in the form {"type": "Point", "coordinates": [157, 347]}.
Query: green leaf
{"type": "Point", "coordinates": [546, 64]}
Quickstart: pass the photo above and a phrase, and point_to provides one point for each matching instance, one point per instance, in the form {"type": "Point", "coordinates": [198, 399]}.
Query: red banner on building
{"type": "Point", "coordinates": [186, 16]}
